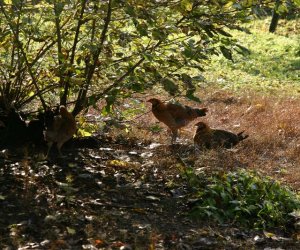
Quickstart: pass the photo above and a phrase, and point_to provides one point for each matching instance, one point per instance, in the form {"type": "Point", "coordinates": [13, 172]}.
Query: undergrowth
{"type": "Point", "coordinates": [242, 197]}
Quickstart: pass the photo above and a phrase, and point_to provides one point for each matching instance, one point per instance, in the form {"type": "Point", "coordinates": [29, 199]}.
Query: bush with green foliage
{"type": "Point", "coordinates": [244, 198]}
{"type": "Point", "coordinates": [80, 52]}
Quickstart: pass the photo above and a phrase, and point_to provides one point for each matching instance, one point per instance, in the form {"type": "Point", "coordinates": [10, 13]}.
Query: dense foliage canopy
{"type": "Point", "coordinates": [81, 51]}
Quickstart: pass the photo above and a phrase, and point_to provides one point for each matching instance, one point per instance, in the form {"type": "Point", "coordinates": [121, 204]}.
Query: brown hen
{"type": "Point", "coordinates": [206, 137]}
{"type": "Point", "coordinates": [60, 130]}
{"type": "Point", "coordinates": [175, 115]}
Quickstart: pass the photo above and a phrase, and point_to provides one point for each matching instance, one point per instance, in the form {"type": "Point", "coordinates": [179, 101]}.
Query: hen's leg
{"type": "Point", "coordinates": [174, 135]}
{"type": "Point", "coordinates": [59, 145]}
{"type": "Point", "coordinates": [49, 147]}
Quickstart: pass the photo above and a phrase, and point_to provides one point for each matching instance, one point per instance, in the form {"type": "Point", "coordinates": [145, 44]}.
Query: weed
{"type": "Point", "coordinates": [244, 198]}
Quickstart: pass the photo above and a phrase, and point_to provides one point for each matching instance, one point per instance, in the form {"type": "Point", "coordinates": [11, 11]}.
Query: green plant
{"type": "Point", "coordinates": [245, 198]}
{"type": "Point", "coordinates": [85, 51]}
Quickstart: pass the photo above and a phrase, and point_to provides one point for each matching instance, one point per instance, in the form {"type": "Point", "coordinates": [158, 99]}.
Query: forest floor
{"type": "Point", "coordinates": [125, 188]}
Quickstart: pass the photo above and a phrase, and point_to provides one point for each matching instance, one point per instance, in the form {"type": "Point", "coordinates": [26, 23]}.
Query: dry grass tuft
{"type": "Point", "coordinates": [273, 146]}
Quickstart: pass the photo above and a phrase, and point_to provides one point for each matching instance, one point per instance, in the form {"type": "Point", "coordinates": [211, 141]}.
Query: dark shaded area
{"type": "Point", "coordinates": [109, 193]}
{"type": "Point", "coordinates": [18, 129]}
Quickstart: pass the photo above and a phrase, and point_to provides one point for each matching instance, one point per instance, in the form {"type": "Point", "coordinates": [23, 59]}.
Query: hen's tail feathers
{"type": "Point", "coordinates": [241, 136]}
{"type": "Point", "coordinates": [194, 112]}
{"type": "Point", "coordinates": [201, 112]}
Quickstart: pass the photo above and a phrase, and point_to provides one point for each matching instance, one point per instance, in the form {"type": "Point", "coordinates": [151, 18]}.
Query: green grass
{"type": "Point", "coordinates": [273, 62]}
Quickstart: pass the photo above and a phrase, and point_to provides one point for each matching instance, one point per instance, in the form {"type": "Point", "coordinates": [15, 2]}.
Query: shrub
{"type": "Point", "coordinates": [245, 198]}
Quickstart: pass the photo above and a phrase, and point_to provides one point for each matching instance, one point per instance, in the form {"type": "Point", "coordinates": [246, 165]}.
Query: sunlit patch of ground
{"type": "Point", "coordinates": [272, 122]}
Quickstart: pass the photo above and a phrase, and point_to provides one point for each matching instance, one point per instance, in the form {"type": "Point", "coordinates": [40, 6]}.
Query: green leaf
{"type": "Point", "coordinates": [297, 2]}
{"type": "Point", "coordinates": [187, 5]}
{"type": "Point", "coordinates": [242, 50]}
{"type": "Point", "coordinates": [142, 29]}
{"type": "Point", "coordinates": [237, 6]}
{"type": "Point", "coordinates": [190, 95]}
{"type": "Point", "coordinates": [226, 53]}
{"type": "Point", "coordinates": [137, 87]}
{"type": "Point", "coordinates": [282, 8]}
{"type": "Point", "coordinates": [208, 29]}
{"type": "Point", "coordinates": [187, 79]}
{"type": "Point", "coordinates": [148, 56]}
{"type": "Point", "coordinates": [130, 10]}
{"type": "Point", "coordinates": [71, 231]}
{"type": "Point", "coordinates": [92, 100]}
{"type": "Point", "coordinates": [170, 86]}
{"type": "Point", "coordinates": [224, 33]}
{"type": "Point", "coordinates": [59, 8]}
{"type": "Point", "coordinates": [159, 34]}
{"type": "Point", "coordinates": [188, 52]}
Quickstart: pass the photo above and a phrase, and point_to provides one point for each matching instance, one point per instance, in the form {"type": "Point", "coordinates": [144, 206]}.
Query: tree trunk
{"type": "Point", "coordinates": [275, 18]}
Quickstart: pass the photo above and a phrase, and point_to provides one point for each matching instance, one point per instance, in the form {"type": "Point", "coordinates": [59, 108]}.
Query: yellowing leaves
{"type": "Point", "coordinates": [297, 2]}
{"type": "Point", "coordinates": [31, 93]}
{"type": "Point", "coordinates": [86, 128]}
{"type": "Point", "coordinates": [187, 5]}
{"type": "Point", "coordinates": [228, 5]}
{"type": "Point", "coordinates": [71, 231]}
{"type": "Point", "coordinates": [122, 164]}
{"type": "Point", "coordinates": [4, 40]}
{"type": "Point", "coordinates": [83, 133]}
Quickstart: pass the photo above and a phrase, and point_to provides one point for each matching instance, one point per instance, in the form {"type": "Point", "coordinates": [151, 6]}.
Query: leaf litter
{"type": "Point", "coordinates": [114, 196]}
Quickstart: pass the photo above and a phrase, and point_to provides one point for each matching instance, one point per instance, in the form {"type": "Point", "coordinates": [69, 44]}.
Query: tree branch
{"type": "Point", "coordinates": [20, 46]}
{"type": "Point", "coordinates": [72, 58]}
{"type": "Point", "coordinates": [91, 69]}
